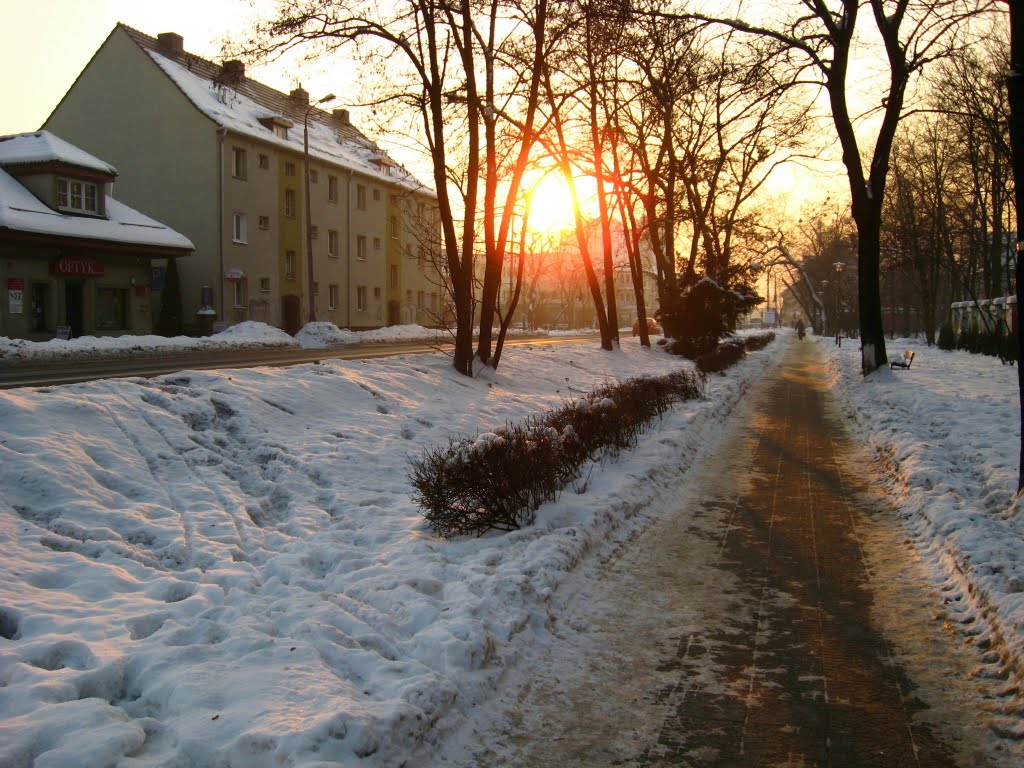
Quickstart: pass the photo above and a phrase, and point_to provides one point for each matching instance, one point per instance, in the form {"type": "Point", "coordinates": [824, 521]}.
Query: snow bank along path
{"type": "Point", "coordinates": [947, 434]}
{"type": "Point", "coordinates": [225, 569]}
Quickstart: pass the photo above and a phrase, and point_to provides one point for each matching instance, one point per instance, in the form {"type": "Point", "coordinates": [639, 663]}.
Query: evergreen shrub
{"type": "Point", "coordinates": [497, 480]}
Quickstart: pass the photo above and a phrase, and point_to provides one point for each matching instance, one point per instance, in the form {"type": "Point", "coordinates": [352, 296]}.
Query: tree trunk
{"type": "Point", "coordinates": [1015, 88]}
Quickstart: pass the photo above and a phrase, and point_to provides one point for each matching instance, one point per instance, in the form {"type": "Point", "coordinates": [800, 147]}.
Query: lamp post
{"type": "Point", "coordinates": [839, 265]}
{"type": "Point", "coordinates": [824, 302]}
{"type": "Point", "coordinates": [309, 213]}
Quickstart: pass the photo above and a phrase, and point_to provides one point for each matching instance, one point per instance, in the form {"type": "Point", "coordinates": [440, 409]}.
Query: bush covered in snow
{"type": "Point", "coordinates": [731, 351]}
{"type": "Point", "coordinates": [497, 480]}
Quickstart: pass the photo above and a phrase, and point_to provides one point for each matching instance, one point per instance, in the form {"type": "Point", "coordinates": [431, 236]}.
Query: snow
{"type": "Point", "coordinates": [224, 568]}
{"type": "Point", "coordinates": [45, 147]}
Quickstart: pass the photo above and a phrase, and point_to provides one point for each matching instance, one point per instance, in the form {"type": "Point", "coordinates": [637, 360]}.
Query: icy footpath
{"type": "Point", "coordinates": [225, 568]}
{"type": "Point", "coordinates": [947, 433]}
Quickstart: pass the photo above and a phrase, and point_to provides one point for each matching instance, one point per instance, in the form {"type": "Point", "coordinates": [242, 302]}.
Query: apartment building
{"type": "Point", "coordinates": [223, 159]}
{"type": "Point", "coordinates": [75, 260]}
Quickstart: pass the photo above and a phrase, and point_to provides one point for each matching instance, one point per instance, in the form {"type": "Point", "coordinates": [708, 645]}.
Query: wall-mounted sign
{"type": "Point", "coordinates": [157, 278]}
{"type": "Point", "coordinates": [234, 275]}
{"type": "Point", "coordinates": [15, 295]}
{"type": "Point", "coordinates": [77, 266]}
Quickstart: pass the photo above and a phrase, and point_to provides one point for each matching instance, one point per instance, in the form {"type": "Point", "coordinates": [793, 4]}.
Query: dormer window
{"type": "Point", "coordinates": [80, 196]}
{"type": "Point", "coordinates": [279, 125]}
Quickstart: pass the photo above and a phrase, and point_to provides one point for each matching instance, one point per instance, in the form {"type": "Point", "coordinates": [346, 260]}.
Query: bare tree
{"type": "Point", "coordinates": [825, 36]}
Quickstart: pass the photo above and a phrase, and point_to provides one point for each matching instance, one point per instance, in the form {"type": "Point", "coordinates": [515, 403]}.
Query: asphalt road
{"type": "Point", "coordinates": [144, 363]}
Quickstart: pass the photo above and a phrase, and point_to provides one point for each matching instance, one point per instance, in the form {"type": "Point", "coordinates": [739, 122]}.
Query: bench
{"type": "Point", "coordinates": [903, 362]}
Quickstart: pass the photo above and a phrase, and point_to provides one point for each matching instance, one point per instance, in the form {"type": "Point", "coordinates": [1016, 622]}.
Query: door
{"type": "Point", "coordinates": [290, 322]}
{"type": "Point", "coordinates": [74, 306]}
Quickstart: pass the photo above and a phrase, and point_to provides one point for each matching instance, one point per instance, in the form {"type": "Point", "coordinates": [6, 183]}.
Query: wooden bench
{"type": "Point", "coordinates": [903, 362]}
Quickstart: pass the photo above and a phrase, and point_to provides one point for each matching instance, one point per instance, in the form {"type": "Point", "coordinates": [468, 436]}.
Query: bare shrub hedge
{"type": "Point", "coordinates": [497, 480]}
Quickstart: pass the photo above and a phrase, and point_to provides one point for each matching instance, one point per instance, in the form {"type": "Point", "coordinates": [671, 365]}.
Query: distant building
{"type": "Point", "coordinates": [71, 256]}
{"type": "Point", "coordinates": [220, 157]}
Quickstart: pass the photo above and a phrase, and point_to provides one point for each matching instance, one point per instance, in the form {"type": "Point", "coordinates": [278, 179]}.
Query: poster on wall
{"type": "Point", "coordinates": [15, 295]}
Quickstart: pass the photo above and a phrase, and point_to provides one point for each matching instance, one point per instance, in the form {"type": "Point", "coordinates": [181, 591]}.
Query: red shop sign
{"type": "Point", "coordinates": [77, 266]}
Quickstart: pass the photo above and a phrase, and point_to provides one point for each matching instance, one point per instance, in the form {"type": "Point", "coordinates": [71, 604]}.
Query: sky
{"type": "Point", "coordinates": [73, 31]}
{"type": "Point", "coordinates": [227, 567]}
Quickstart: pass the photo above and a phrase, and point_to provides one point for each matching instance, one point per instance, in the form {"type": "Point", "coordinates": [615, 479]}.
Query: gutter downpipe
{"type": "Point", "coordinates": [348, 252]}
{"type": "Point", "coordinates": [222, 134]}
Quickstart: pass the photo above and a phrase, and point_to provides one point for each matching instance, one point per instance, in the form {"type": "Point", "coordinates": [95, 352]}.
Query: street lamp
{"type": "Point", "coordinates": [309, 213]}
{"type": "Point", "coordinates": [824, 303]}
{"type": "Point", "coordinates": [839, 265]}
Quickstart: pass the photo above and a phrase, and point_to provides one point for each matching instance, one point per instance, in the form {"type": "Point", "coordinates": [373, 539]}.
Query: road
{"type": "Point", "coordinates": [147, 363]}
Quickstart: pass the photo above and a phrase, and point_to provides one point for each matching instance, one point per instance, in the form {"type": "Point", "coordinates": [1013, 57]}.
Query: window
{"type": "Point", "coordinates": [77, 196]}
{"type": "Point", "coordinates": [360, 197]}
{"type": "Point", "coordinates": [264, 162]}
{"type": "Point", "coordinates": [264, 285]}
{"type": "Point", "coordinates": [376, 195]}
{"type": "Point", "coordinates": [314, 232]}
{"type": "Point", "coordinates": [433, 302]}
{"type": "Point", "coordinates": [376, 243]}
{"type": "Point", "coordinates": [289, 265]}
{"type": "Point", "coordinates": [420, 300]}
{"type": "Point", "coordinates": [238, 162]}
{"type": "Point", "coordinates": [239, 228]}
{"type": "Point", "coordinates": [376, 292]}
{"type": "Point", "coordinates": [332, 296]}
{"type": "Point", "coordinates": [394, 276]}
{"type": "Point", "coordinates": [332, 189]}
{"type": "Point", "coordinates": [361, 298]}
{"type": "Point", "coordinates": [361, 247]}
{"type": "Point", "coordinates": [289, 203]}
{"type": "Point", "coordinates": [238, 293]}
{"type": "Point", "coordinates": [332, 243]}
{"type": "Point", "coordinates": [394, 227]}
{"type": "Point", "coordinates": [111, 308]}
{"type": "Point", "coordinates": [264, 222]}
{"type": "Point", "coordinates": [289, 169]}
{"type": "Point", "coordinates": [281, 131]}
{"type": "Point", "coordinates": [314, 177]}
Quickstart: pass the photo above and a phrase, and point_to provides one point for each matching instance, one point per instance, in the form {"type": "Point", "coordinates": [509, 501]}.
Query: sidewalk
{"type": "Point", "coordinates": [747, 630]}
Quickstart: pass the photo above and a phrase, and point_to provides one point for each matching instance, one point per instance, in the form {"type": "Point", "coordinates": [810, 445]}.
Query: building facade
{"type": "Point", "coordinates": [75, 261]}
{"type": "Point", "coordinates": [223, 159]}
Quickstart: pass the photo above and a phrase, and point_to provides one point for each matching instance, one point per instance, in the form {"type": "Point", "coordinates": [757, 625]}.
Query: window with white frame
{"type": "Point", "coordinates": [238, 162]}
{"type": "Point", "coordinates": [376, 243]}
{"type": "Point", "coordinates": [74, 195]}
{"type": "Point", "coordinates": [360, 197]}
{"type": "Point", "coordinates": [289, 203]}
{"type": "Point", "coordinates": [361, 298]}
{"type": "Point", "coordinates": [240, 227]}
{"type": "Point", "coordinates": [361, 247]}
{"type": "Point", "coordinates": [332, 243]}
{"type": "Point", "coordinates": [238, 293]}
{"type": "Point", "coordinates": [289, 265]}
{"type": "Point", "coordinates": [332, 189]}
{"type": "Point", "coordinates": [332, 296]}
{"type": "Point", "coordinates": [281, 131]}
{"type": "Point", "coordinates": [394, 227]}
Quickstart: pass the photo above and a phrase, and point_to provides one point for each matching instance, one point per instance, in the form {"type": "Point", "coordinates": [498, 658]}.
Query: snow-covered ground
{"type": "Point", "coordinates": [224, 568]}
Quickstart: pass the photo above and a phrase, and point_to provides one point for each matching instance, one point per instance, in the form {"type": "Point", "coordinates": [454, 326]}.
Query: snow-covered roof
{"type": "Point", "coordinates": [21, 211]}
{"type": "Point", "coordinates": [244, 106]}
{"type": "Point", "coordinates": [45, 147]}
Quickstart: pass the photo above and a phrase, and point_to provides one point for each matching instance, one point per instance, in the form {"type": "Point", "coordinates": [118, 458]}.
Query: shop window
{"type": "Point", "coordinates": [111, 309]}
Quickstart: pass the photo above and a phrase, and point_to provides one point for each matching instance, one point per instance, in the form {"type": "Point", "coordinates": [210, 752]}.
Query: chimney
{"type": "Point", "coordinates": [341, 117]}
{"type": "Point", "coordinates": [300, 95]}
{"type": "Point", "coordinates": [171, 43]}
{"type": "Point", "coordinates": [234, 70]}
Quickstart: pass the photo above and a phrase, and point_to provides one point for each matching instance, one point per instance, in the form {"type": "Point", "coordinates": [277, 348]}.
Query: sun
{"type": "Point", "coordinates": [551, 207]}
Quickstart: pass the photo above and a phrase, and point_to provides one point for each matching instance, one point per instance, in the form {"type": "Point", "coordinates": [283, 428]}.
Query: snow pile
{"type": "Point", "coordinates": [947, 432]}
{"type": "Point", "coordinates": [321, 335]}
{"type": "Point", "coordinates": [225, 568]}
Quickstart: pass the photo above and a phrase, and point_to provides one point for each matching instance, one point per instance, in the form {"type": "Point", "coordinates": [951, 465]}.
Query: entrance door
{"type": "Point", "coordinates": [290, 322]}
{"type": "Point", "coordinates": [40, 307]}
{"type": "Point", "coordinates": [394, 312]}
{"type": "Point", "coordinates": [74, 306]}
